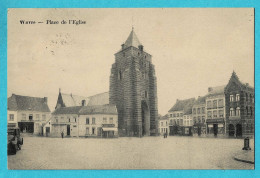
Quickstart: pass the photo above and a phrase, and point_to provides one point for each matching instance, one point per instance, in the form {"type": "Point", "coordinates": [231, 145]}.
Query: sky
{"type": "Point", "coordinates": [192, 49]}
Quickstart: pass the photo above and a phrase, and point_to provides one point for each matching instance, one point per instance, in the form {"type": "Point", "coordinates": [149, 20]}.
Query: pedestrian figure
{"type": "Point", "coordinates": [62, 134]}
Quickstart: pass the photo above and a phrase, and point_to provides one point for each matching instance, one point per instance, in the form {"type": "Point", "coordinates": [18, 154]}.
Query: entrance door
{"type": "Point", "coordinates": [199, 131]}
{"type": "Point", "coordinates": [68, 129]}
{"type": "Point", "coordinates": [215, 129]}
{"type": "Point", "coordinates": [145, 119]}
{"type": "Point", "coordinates": [231, 129]}
{"type": "Point", "coordinates": [239, 130]}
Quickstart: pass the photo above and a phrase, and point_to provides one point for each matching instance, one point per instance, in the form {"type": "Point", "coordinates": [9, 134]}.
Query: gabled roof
{"type": "Point", "coordinates": [27, 103]}
{"type": "Point", "coordinates": [69, 100]}
{"type": "Point", "coordinates": [102, 109]}
{"type": "Point", "coordinates": [234, 78]}
{"type": "Point", "coordinates": [165, 117]}
{"type": "Point", "coordinates": [183, 105]}
{"type": "Point", "coordinates": [132, 40]}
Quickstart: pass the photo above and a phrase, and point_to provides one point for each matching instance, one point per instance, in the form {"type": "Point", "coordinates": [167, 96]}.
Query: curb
{"type": "Point", "coordinates": [245, 161]}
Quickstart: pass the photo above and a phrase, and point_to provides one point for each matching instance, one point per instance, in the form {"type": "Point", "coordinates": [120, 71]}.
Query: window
{"type": "Point", "coordinates": [246, 110]}
{"type": "Point", "coordinates": [30, 117]}
{"type": "Point", "coordinates": [181, 114]}
{"type": "Point", "coordinates": [75, 119]}
{"type": "Point", "coordinates": [161, 130]}
{"type": "Point", "coordinates": [203, 119]}
{"type": "Point", "coordinates": [87, 131]}
{"type": "Point", "coordinates": [174, 115]}
{"type": "Point", "coordinates": [215, 114]}
{"type": "Point", "coordinates": [11, 117]}
{"type": "Point", "coordinates": [93, 131]}
{"type": "Point", "coordinates": [23, 116]}
{"type": "Point", "coordinates": [194, 110]}
{"type": "Point", "coordinates": [104, 120]}
{"type": "Point", "coordinates": [209, 105]}
{"type": "Point", "coordinates": [209, 114]}
{"type": "Point", "coordinates": [231, 112]}
{"type": "Point", "coordinates": [93, 120]}
{"type": "Point", "coordinates": [199, 120]}
{"type": "Point", "coordinates": [198, 110]}
{"type": "Point", "coordinates": [44, 117]}
{"type": "Point", "coordinates": [237, 97]}
{"type": "Point", "coordinates": [221, 113]}
{"type": "Point", "coordinates": [231, 98]}
{"type": "Point", "coordinates": [170, 115]}
{"type": "Point", "coordinates": [166, 123]}
{"type": "Point", "coordinates": [220, 103]}
{"type": "Point", "coordinates": [214, 104]}
{"type": "Point", "coordinates": [203, 110]}
{"type": "Point", "coordinates": [87, 120]}
{"type": "Point", "coordinates": [178, 122]}
{"type": "Point", "coordinates": [238, 111]}
{"type": "Point", "coordinates": [62, 119]}
{"type": "Point", "coordinates": [246, 97]}
{"type": "Point", "coordinates": [177, 114]}
{"type": "Point", "coordinates": [111, 120]}
{"type": "Point", "coordinates": [251, 111]}
{"type": "Point", "coordinates": [171, 122]}
{"type": "Point", "coordinates": [161, 124]}
{"type": "Point", "coordinates": [37, 116]}
{"type": "Point", "coordinates": [120, 75]}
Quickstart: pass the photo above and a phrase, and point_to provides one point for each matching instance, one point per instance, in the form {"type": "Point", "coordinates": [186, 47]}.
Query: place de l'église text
{"type": "Point", "coordinates": [53, 22]}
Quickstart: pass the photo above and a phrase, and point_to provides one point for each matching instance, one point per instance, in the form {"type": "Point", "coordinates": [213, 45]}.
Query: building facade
{"type": "Point", "coordinates": [85, 121]}
{"type": "Point", "coordinates": [163, 125]}
{"type": "Point", "coordinates": [240, 107]}
{"type": "Point", "coordinates": [215, 107]}
{"type": "Point", "coordinates": [28, 113]}
{"type": "Point", "coordinates": [199, 116]}
{"type": "Point", "coordinates": [181, 109]}
{"type": "Point", "coordinates": [133, 89]}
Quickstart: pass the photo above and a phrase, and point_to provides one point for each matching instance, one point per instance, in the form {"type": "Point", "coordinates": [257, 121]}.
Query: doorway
{"type": "Point", "coordinates": [215, 129]}
{"type": "Point", "coordinates": [239, 130]}
{"type": "Point", "coordinates": [68, 130]}
{"type": "Point", "coordinates": [231, 129]}
{"type": "Point", "coordinates": [145, 119]}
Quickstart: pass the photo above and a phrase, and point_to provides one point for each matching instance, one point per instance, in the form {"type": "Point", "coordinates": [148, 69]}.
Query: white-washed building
{"type": "Point", "coordinates": [28, 113]}
{"type": "Point", "coordinates": [163, 125]}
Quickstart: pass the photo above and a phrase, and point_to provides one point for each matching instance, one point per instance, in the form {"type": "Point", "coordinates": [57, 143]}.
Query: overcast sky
{"type": "Point", "coordinates": [192, 50]}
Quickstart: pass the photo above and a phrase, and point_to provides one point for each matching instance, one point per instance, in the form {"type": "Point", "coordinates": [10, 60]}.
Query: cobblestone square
{"type": "Point", "coordinates": [129, 153]}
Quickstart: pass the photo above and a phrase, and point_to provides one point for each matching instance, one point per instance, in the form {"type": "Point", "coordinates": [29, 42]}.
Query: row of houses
{"type": "Point", "coordinates": [74, 116]}
{"type": "Point", "coordinates": [227, 110]}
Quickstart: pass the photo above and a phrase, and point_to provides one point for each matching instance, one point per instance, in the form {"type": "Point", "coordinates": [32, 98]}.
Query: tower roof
{"type": "Point", "coordinates": [132, 40]}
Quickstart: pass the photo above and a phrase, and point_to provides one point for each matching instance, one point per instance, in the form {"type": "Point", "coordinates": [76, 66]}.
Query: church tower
{"type": "Point", "coordinates": [133, 89]}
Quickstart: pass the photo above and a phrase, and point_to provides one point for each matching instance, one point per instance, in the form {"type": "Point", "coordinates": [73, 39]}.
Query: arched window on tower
{"type": "Point", "coordinates": [145, 94]}
{"type": "Point", "coordinates": [246, 110]}
{"type": "Point", "coordinates": [251, 111]}
{"type": "Point", "coordinates": [119, 75]}
{"type": "Point", "coordinates": [237, 111]}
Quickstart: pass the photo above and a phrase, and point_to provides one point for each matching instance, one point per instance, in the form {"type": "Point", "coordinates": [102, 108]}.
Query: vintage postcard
{"type": "Point", "coordinates": [130, 88]}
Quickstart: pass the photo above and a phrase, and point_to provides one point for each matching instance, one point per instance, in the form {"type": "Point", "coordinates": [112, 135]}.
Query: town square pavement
{"type": "Point", "coordinates": [129, 153]}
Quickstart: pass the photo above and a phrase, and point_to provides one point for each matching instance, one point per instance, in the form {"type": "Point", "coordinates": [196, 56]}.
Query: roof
{"type": "Point", "coordinates": [67, 110]}
{"type": "Point", "coordinates": [165, 117]}
{"type": "Point", "coordinates": [70, 100]}
{"type": "Point", "coordinates": [27, 103]}
{"type": "Point", "coordinates": [183, 105]}
{"type": "Point", "coordinates": [102, 109]}
{"type": "Point", "coordinates": [132, 40]}
{"type": "Point", "coordinates": [99, 99]}
{"type": "Point", "coordinates": [235, 78]}
{"type": "Point", "coordinates": [200, 100]}
{"type": "Point", "coordinates": [219, 90]}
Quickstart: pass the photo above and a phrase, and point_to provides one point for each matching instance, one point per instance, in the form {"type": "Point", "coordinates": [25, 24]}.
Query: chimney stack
{"type": "Point", "coordinates": [123, 46]}
{"type": "Point", "coordinates": [45, 99]}
{"type": "Point", "coordinates": [210, 89]}
{"type": "Point", "coordinates": [83, 102]}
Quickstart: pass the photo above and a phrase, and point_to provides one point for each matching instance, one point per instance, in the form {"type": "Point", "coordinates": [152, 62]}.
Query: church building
{"type": "Point", "coordinates": [133, 89]}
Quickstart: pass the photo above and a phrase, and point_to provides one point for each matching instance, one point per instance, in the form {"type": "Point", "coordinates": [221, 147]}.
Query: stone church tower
{"type": "Point", "coordinates": [133, 89]}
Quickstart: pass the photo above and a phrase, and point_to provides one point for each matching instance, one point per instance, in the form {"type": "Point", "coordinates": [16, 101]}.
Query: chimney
{"type": "Point", "coordinates": [210, 89]}
{"type": "Point", "coordinates": [45, 99]}
{"type": "Point", "coordinates": [59, 90]}
{"type": "Point", "coordinates": [123, 46]}
{"type": "Point", "coordinates": [83, 102]}
{"type": "Point", "coordinates": [141, 47]}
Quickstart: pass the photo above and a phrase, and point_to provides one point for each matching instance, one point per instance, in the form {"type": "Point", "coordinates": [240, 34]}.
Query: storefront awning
{"type": "Point", "coordinates": [109, 129]}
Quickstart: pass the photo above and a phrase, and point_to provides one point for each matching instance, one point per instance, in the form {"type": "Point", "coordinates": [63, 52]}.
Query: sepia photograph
{"type": "Point", "coordinates": [130, 89]}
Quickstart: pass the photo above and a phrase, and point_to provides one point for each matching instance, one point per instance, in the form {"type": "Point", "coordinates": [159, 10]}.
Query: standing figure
{"type": "Point", "coordinates": [62, 134]}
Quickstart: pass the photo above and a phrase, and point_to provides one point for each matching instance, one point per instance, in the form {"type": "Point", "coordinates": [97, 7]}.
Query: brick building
{"type": "Point", "coordinates": [133, 89]}
{"type": "Point", "coordinates": [240, 108]}
{"type": "Point", "coordinates": [199, 116]}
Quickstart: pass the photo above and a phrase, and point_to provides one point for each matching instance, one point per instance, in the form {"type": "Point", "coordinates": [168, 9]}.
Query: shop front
{"type": "Point", "coordinates": [199, 129]}
{"type": "Point", "coordinates": [109, 131]}
{"type": "Point", "coordinates": [215, 127]}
